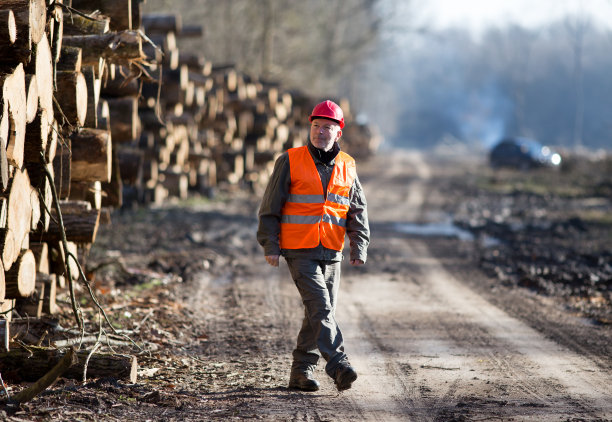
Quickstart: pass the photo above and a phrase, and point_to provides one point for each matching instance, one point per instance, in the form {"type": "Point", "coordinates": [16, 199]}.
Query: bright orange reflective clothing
{"type": "Point", "coordinates": [310, 215]}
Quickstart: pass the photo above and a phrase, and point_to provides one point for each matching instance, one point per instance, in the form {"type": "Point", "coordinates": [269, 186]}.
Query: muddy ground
{"type": "Point", "coordinates": [486, 296]}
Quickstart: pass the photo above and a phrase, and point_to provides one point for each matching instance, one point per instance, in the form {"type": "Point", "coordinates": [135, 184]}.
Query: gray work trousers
{"type": "Point", "coordinates": [318, 283]}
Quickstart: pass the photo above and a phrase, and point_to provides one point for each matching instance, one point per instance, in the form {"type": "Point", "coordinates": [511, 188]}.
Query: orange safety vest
{"type": "Point", "coordinates": [310, 216]}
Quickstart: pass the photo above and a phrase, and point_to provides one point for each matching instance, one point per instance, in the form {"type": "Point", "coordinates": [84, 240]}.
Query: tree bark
{"type": "Point", "coordinates": [115, 47]}
{"type": "Point", "coordinates": [119, 11]}
{"type": "Point", "coordinates": [79, 25]}
{"type": "Point", "coordinates": [81, 224]}
{"type": "Point", "coordinates": [21, 278]}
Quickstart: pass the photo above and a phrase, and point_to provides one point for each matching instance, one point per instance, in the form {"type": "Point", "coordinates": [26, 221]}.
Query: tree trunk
{"type": "Point", "coordinates": [8, 248]}
{"type": "Point", "coordinates": [91, 155]}
{"type": "Point", "coordinates": [31, 364]}
{"type": "Point", "coordinates": [21, 278]}
{"type": "Point", "coordinates": [119, 11]}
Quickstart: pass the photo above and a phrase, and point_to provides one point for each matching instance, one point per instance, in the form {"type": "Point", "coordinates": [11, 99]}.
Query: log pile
{"type": "Point", "coordinates": [56, 141]}
{"type": "Point", "coordinates": [99, 108]}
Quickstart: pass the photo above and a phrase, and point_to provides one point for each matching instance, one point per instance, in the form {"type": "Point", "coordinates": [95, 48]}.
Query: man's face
{"type": "Point", "coordinates": [323, 133]}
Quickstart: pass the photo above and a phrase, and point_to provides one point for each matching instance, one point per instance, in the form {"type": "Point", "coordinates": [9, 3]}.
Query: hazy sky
{"type": "Point", "coordinates": [479, 14]}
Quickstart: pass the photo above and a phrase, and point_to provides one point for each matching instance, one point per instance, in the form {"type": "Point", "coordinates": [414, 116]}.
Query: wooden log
{"type": "Point", "coordinates": [112, 196]}
{"type": "Point", "coordinates": [30, 21]}
{"type": "Point", "coordinates": [80, 25]}
{"type": "Point", "coordinates": [81, 224]}
{"type": "Point", "coordinates": [5, 334]}
{"type": "Point", "coordinates": [125, 123]}
{"type": "Point", "coordinates": [93, 96]}
{"type": "Point", "coordinates": [6, 308]}
{"type": "Point", "coordinates": [161, 23]}
{"type": "Point", "coordinates": [119, 11]}
{"type": "Point", "coordinates": [2, 284]}
{"type": "Point", "coordinates": [31, 86]}
{"type": "Point", "coordinates": [52, 142]}
{"type": "Point", "coordinates": [114, 47]}
{"type": "Point", "coordinates": [130, 164]}
{"type": "Point", "coordinates": [31, 364]}
{"type": "Point", "coordinates": [36, 208]}
{"type": "Point", "coordinates": [91, 155]}
{"type": "Point", "coordinates": [71, 59]}
{"type": "Point", "coordinates": [72, 97]}
{"type": "Point", "coordinates": [191, 31]}
{"type": "Point", "coordinates": [124, 84]}
{"type": "Point", "coordinates": [62, 168]}
{"type": "Point", "coordinates": [57, 258]}
{"type": "Point", "coordinates": [8, 248]}
{"type": "Point", "coordinates": [4, 133]}
{"type": "Point", "coordinates": [8, 28]}
{"type": "Point", "coordinates": [87, 191]}
{"type": "Point", "coordinates": [20, 279]}
{"type": "Point", "coordinates": [41, 255]}
{"type": "Point", "coordinates": [176, 183]}
{"type": "Point", "coordinates": [43, 69]}
{"type": "Point", "coordinates": [32, 306]}
{"type": "Point", "coordinates": [13, 100]}
{"type": "Point", "coordinates": [55, 28]}
{"type": "Point", "coordinates": [36, 137]}
{"type": "Point", "coordinates": [68, 360]}
{"type": "Point", "coordinates": [19, 213]}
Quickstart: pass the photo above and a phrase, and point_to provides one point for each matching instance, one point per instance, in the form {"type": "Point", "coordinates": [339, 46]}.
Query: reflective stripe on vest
{"type": "Point", "coordinates": [310, 216]}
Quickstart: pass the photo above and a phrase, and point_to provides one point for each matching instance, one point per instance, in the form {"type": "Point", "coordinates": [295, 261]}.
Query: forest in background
{"type": "Point", "coordinates": [420, 87]}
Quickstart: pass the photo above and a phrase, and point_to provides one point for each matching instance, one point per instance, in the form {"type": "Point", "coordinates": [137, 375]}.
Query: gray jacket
{"type": "Point", "coordinates": [276, 195]}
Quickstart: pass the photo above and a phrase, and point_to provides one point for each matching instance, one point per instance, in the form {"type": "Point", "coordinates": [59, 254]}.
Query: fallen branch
{"type": "Point", "coordinates": [62, 366]}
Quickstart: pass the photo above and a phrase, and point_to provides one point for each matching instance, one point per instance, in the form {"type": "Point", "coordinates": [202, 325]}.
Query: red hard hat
{"type": "Point", "coordinates": [328, 110]}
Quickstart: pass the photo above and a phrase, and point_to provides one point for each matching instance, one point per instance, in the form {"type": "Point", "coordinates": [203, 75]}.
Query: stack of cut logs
{"type": "Point", "coordinates": [98, 107]}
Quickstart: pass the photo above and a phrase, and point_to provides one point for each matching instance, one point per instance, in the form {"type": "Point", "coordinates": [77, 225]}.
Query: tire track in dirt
{"type": "Point", "coordinates": [447, 340]}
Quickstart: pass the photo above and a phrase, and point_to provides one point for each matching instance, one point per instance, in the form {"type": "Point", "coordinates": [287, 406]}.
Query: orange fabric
{"type": "Point", "coordinates": [316, 218]}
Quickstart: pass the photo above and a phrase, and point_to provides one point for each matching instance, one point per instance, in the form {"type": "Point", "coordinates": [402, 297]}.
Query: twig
{"type": "Point", "coordinates": [46, 380]}
{"type": "Point", "coordinates": [8, 396]}
{"type": "Point", "coordinates": [87, 360]}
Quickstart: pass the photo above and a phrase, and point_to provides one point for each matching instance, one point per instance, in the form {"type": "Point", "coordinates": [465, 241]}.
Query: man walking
{"type": "Point", "coordinates": [312, 200]}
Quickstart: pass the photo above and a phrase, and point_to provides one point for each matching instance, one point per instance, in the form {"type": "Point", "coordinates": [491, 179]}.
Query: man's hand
{"type": "Point", "coordinates": [272, 260]}
{"type": "Point", "coordinates": [356, 262]}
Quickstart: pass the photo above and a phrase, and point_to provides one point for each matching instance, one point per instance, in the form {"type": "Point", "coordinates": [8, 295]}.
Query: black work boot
{"type": "Point", "coordinates": [345, 376]}
{"type": "Point", "coordinates": [302, 379]}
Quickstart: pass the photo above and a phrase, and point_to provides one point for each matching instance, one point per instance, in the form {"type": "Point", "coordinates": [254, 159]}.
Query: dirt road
{"type": "Point", "coordinates": [419, 326]}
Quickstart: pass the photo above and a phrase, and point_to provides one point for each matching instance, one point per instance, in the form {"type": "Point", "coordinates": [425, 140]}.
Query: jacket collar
{"type": "Point", "coordinates": [325, 157]}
